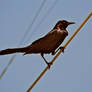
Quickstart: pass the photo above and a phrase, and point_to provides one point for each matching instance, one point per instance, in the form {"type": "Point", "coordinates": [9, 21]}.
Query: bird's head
{"type": "Point", "coordinates": [62, 24]}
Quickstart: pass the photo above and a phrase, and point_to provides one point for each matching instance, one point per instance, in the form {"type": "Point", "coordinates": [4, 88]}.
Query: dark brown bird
{"type": "Point", "coordinates": [45, 45]}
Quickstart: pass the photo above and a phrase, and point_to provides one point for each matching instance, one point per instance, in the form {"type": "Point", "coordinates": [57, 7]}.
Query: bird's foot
{"type": "Point", "coordinates": [62, 48]}
{"type": "Point", "coordinates": [49, 64]}
{"type": "Point", "coordinates": [53, 53]}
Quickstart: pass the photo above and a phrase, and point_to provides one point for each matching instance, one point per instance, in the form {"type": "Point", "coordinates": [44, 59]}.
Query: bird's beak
{"type": "Point", "coordinates": [71, 23]}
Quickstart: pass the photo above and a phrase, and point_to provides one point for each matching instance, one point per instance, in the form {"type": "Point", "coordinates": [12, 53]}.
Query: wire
{"type": "Point", "coordinates": [5, 69]}
{"type": "Point", "coordinates": [43, 19]}
{"type": "Point", "coordinates": [53, 60]}
{"type": "Point", "coordinates": [33, 22]}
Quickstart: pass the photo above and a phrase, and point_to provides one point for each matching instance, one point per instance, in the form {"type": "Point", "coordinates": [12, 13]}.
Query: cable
{"type": "Point", "coordinates": [5, 69]}
{"type": "Point", "coordinates": [43, 19]}
{"type": "Point", "coordinates": [33, 22]}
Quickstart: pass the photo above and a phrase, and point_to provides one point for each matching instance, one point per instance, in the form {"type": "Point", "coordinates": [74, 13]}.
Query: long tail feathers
{"type": "Point", "coordinates": [13, 50]}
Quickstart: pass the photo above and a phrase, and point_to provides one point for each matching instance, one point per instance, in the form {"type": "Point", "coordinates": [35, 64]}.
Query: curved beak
{"type": "Point", "coordinates": [71, 23]}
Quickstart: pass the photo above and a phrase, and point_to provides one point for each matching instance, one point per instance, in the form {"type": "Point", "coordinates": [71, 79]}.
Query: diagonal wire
{"type": "Point", "coordinates": [43, 18]}
{"type": "Point", "coordinates": [5, 69]}
{"type": "Point", "coordinates": [53, 60]}
{"type": "Point", "coordinates": [33, 22]}
{"type": "Point", "coordinates": [24, 36]}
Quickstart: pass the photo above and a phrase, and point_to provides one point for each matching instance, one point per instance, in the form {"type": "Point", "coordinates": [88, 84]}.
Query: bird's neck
{"type": "Point", "coordinates": [61, 28]}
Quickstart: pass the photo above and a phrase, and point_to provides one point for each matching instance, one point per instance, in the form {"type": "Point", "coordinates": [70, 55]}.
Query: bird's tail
{"type": "Point", "coordinates": [13, 50]}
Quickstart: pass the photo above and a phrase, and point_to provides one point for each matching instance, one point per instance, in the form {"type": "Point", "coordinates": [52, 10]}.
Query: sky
{"type": "Point", "coordinates": [72, 71]}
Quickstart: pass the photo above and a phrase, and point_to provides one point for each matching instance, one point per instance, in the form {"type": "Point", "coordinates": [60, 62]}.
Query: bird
{"type": "Point", "coordinates": [48, 44]}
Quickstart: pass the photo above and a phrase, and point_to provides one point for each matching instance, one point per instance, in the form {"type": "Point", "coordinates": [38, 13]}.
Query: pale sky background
{"type": "Point", "coordinates": [72, 71]}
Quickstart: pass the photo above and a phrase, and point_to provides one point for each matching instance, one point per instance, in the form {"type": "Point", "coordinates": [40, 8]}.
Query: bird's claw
{"type": "Point", "coordinates": [49, 64]}
{"type": "Point", "coordinates": [62, 48]}
{"type": "Point", "coordinates": [53, 53]}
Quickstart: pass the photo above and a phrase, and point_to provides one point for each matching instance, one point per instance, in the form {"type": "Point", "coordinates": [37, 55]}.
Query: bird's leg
{"type": "Point", "coordinates": [54, 52]}
{"type": "Point", "coordinates": [49, 64]}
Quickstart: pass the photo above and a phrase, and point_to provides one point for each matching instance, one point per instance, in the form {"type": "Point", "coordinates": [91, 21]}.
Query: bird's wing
{"type": "Point", "coordinates": [45, 37]}
{"type": "Point", "coordinates": [37, 41]}
{"type": "Point", "coordinates": [48, 43]}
